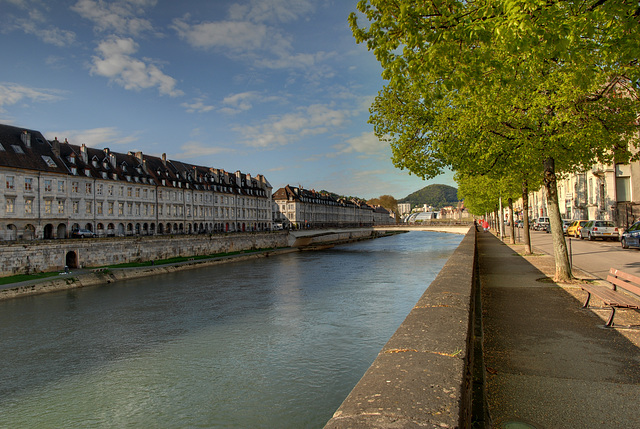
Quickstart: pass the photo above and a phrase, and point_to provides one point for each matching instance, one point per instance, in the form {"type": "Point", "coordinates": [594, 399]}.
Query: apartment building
{"type": "Point", "coordinates": [52, 188]}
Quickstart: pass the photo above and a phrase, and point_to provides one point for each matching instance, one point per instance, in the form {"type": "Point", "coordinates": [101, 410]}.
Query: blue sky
{"type": "Point", "coordinates": [272, 87]}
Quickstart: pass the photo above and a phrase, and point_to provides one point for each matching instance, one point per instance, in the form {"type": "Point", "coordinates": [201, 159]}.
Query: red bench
{"type": "Point", "coordinates": [612, 296]}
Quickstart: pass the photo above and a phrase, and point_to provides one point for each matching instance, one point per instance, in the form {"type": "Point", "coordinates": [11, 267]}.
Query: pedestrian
{"type": "Point", "coordinates": [485, 225]}
{"type": "Point", "coordinates": [475, 224]}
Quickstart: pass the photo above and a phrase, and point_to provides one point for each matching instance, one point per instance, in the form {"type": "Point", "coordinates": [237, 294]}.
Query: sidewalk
{"type": "Point", "coordinates": [551, 364]}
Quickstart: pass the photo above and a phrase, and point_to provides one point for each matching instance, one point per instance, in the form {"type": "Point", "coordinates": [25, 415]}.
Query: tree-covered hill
{"type": "Point", "coordinates": [433, 195]}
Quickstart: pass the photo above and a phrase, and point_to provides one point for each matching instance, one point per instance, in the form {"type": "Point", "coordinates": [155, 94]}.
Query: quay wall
{"type": "Point", "coordinates": [52, 255]}
{"type": "Point", "coordinates": [424, 376]}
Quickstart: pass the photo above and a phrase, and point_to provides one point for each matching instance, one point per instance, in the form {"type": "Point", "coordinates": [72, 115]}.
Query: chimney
{"type": "Point", "coordinates": [83, 152]}
{"type": "Point", "coordinates": [112, 160]}
{"type": "Point", "coordinates": [55, 147]}
{"type": "Point", "coordinates": [26, 138]}
{"type": "Point", "coordinates": [139, 156]}
{"type": "Point", "coordinates": [164, 159]}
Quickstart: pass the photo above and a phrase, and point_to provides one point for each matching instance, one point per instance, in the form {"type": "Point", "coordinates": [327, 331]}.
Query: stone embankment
{"type": "Point", "coordinates": [423, 377]}
{"type": "Point", "coordinates": [80, 254]}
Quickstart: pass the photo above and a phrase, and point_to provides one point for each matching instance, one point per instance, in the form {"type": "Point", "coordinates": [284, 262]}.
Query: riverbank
{"type": "Point", "coordinates": [83, 277]}
{"type": "Point", "coordinates": [102, 276]}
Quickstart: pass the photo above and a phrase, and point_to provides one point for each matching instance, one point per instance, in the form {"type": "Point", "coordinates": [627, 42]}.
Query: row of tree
{"type": "Point", "coordinates": [507, 93]}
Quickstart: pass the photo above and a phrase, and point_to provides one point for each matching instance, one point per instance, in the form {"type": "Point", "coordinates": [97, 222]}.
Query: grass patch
{"type": "Point", "coordinates": [25, 277]}
{"type": "Point", "coordinates": [179, 259]}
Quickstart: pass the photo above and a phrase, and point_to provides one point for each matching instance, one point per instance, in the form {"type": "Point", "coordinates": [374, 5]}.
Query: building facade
{"type": "Point", "coordinates": [605, 192]}
{"type": "Point", "coordinates": [296, 207]}
{"type": "Point", "coordinates": [50, 188]}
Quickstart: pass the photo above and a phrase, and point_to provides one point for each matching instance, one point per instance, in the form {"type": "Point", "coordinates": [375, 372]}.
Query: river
{"type": "Point", "coordinates": [275, 342]}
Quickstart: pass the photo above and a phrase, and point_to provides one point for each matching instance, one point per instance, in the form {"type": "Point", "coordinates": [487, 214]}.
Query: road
{"type": "Point", "coordinates": [593, 257]}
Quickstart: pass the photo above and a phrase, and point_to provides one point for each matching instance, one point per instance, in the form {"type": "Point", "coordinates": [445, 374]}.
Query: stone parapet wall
{"type": "Point", "coordinates": [424, 375]}
{"type": "Point", "coordinates": [45, 256]}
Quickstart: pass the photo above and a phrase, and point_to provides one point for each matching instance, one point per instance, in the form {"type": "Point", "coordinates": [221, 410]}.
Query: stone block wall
{"type": "Point", "coordinates": [52, 255]}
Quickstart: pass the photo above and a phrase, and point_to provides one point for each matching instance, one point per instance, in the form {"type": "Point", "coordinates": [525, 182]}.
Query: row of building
{"type": "Point", "coordinates": [604, 192]}
{"type": "Point", "coordinates": [52, 188]}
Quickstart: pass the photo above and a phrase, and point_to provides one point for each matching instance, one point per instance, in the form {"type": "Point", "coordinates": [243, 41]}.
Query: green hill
{"type": "Point", "coordinates": [433, 195]}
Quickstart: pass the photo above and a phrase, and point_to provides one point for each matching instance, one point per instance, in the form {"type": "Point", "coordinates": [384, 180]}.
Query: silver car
{"type": "Point", "coordinates": [604, 229]}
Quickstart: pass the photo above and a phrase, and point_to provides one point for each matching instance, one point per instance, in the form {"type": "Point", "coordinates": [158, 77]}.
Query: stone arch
{"type": "Point", "coordinates": [12, 232]}
{"type": "Point", "coordinates": [120, 229]}
{"type": "Point", "coordinates": [100, 229]}
{"type": "Point", "coordinates": [48, 232]}
{"type": "Point", "coordinates": [89, 227]}
{"type": "Point", "coordinates": [61, 231]}
{"type": "Point", "coordinates": [30, 232]}
{"type": "Point", "coordinates": [71, 259]}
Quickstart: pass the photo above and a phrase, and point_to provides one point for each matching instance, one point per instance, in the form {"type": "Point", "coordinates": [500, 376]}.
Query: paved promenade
{"type": "Point", "coordinates": [550, 363]}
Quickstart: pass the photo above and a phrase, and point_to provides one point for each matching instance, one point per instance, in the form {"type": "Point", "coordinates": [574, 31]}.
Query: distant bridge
{"type": "Point", "coordinates": [319, 237]}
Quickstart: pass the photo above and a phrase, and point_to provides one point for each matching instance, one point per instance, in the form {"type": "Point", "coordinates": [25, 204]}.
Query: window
{"type": "Point", "coordinates": [623, 188]}
{"type": "Point", "coordinates": [99, 189]}
{"type": "Point", "coordinates": [99, 207]}
{"type": "Point", "coordinates": [129, 192]}
{"type": "Point", "coordinates": [60, 207]}
{"type": "Point", "coordinates": [49, 161]}
{"type": "Point", "coordinates": [74, 187]}
{"type": "Point", "coordinates": [144, 194]}
{"type": "Point", "coordinates": [120, 209]}
{"type": "Point", "coordinates": [10, 205]}
{"type": "Point", "coordinates": [87, 188]}
{"type": "Point", "coordinates": [47, 185]}
{"type": "Point", "coordinates": [10, 182]}
{"type": "Point", "coordinates": [47, 206]}
{"type": "Point", "coordinates": [88, 207]}
{"type": "Point", "coordinates": [130, 209]}
{"type": "Point", "coordinates": [28, 184]}
{"type": "Point", "coordinates": [61, 186]}
{"type": "Point", "coordinates": [110, 208]}
{"type": "Point", "coordinates": [28, 206]}
{"type": "Point", "coordinates": [110, 190]}
{"type": "Point", "coordinates": [121, 191]}
{"type": "Point", "coordinates": [137, 192]}
{"type": "Point", "coordinates": [76, 208]}
{"type": "Point", "coordinates": [17, 149]}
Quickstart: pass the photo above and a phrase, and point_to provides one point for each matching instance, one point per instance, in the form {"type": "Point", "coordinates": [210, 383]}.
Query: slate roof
{"type": "Point", "coordinates": [36, 153]}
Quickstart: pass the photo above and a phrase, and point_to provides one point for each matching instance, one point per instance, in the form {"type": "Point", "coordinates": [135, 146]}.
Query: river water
{"type": "Point", "coordinates": [275, 342]}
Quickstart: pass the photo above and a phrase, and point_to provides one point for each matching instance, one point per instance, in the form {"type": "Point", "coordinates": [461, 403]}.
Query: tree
{"type": "Point", "coordinates": [502, 86]}
{"type": "Point", "coordinates": [386, 201]}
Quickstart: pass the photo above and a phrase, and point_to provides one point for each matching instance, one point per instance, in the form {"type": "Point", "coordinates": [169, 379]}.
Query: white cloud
{"type": "Point", "coordinates": [274, 11]}
{"type": "Point", "coordinates": [116, 16]}
{"type": "Point", "coordinates": [196, 149]}
{"type": "Point", "coordinates": [250, 33]}
{"type": "Point", "coordinates": [239, 36]}
{"type": "Point", "coordinates": [197, 106]}
{"type": "Point", "coordinates": [12, 93]}
{"type": "Point", "coordinates": [116, 63]}
{"type": "Point", "coordinates": [366, 143]}
{"type": "Point", "coordinates": [95, 137]}
{"type": "Point", "coordinates": [284, 129]}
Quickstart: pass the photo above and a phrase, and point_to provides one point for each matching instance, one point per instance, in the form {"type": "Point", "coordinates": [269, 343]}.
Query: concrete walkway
{"type": "Point", "coordinates": [551, 364]}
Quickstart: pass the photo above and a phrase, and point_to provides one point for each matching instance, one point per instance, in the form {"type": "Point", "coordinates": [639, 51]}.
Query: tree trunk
{"type": "Point", "coordinates": [563, 268]}
{"type": "Point", "coordinates": [525, 225]}
{"type": "Point", "coordinates": [512, 227]}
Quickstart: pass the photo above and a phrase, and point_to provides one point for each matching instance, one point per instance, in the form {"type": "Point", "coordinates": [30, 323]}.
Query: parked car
{"type": "Point", "coordinates": [604, 229]}
{"type": "Point", "coordinates": [82, 233]}
{"type": "Point", "coordinates": [575, 227]}
{"type": "Point", "coordinates": [541, 224]}
{"type": "Point", "coordinates": [631, 237]}
{"type": "Point", "coordinates": [519, 224]}
{"type": "Point", "coordinates": [565, 226]}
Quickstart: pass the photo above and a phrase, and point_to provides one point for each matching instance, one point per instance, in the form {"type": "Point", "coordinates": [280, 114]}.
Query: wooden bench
{"type": "Point", "coordinates": [614, 298]}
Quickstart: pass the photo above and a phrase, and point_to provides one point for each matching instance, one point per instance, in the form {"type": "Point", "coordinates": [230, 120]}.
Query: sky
{"type": "Point", "coordinates": [272, 87]}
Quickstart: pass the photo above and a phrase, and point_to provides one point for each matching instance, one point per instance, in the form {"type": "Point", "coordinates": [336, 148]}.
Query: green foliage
{"type": "Point", "coordinates": [386, 201]}
{"type": "Point", "coordinates": [433, 195]}
{"type": "Point", "coordinates": [481, 194]}
{"type": "Point", "coordinates": [493, 87]}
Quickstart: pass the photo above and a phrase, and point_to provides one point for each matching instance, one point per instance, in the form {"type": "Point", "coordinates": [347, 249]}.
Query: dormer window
{"type": "Point", "coordinates": [74, 171]}
{"type": "Point", "coordinates": [72, 159]}
{"type": "Point", "coordinates": [87, 172]}
{"type": "Point", "coordinates": [104, 175]}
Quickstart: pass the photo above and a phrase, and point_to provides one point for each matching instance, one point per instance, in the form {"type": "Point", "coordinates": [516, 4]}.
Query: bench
{"type": "Point", "coordinates": [610, 294]}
